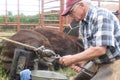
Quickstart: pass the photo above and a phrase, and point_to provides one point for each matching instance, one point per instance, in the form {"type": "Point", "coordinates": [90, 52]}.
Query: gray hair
{"type": "Point", "coordinates": [87, 1]}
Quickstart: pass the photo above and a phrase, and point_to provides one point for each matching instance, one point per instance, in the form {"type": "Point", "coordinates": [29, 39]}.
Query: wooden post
{"type": "Point", "coordinates": [18, 26]}
{"type": "Point", "coordinates": [61, 22]}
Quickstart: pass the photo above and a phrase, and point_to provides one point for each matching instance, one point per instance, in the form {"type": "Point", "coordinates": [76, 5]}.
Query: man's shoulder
{"type": "Point", "coordinates": [99, 11]}
{"type": "Point", "coordinates": [103, 11]}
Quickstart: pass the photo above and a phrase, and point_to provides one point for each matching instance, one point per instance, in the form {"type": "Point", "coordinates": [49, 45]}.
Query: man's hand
{"type": "Point", "coordinates": [66, 60]}
{"type": "Point", "coordinates": [78, 66]}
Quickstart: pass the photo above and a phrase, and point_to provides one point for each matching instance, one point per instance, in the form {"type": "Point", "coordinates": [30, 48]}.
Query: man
{"type": "Point", "coordinates": [101, 37]}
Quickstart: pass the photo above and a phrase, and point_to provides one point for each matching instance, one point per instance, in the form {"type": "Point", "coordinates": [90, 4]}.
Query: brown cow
{"type": "Point", "coordinates": [52, 39]}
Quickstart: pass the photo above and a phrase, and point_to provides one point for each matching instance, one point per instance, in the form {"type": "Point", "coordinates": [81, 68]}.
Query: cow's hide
{"type": "Point", "coordinates": [55, 40]}
{"type": "Point", "coordinates": [61, 43]}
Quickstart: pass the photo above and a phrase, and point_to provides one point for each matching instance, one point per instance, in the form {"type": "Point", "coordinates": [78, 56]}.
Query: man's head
{"type": "Point", "coordinates": [69, 5]}
{"type": "Point", "coordinates": [76, 9]}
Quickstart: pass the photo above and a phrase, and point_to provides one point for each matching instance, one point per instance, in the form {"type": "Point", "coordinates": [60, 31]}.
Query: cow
{"type": "Point", "coordinates": [55, 40]}
{"type": "Point", "coordinates": [72, 29]}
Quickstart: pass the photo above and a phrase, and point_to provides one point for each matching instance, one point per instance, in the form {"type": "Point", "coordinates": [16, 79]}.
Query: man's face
{"type": "Point", "coordinates": [77, 12]}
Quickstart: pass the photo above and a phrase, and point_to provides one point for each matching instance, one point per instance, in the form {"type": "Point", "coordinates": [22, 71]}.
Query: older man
{"type": "Point", "coordinates": [101, 37]}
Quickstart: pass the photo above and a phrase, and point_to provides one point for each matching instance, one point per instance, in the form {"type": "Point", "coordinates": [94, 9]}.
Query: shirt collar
{"type": "Point", "coordinates": [88, 14]}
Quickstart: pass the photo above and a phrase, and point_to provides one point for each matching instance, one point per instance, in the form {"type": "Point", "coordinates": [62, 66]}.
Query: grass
{"type": "Point", "coordinates": [3, 78]}
{"type": "Point", "coordinates": [67, 71]}
{"type": "Point", "coordinates": [3, 75]}
{"type": "Point", "coordinates": [7, 33]}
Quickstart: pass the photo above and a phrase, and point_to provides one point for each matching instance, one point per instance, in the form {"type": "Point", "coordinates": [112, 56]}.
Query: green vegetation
{"type": "Point", "coordinates": [3, 75]}
{"type": "Point", "coordinates": [7, 33]}
{"type": "Point", "coordinates": [27, 19]}
{"type": "Point", "coordinates": [67, 71]}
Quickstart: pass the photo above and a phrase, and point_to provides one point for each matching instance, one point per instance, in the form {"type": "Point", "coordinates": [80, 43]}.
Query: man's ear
{"type": "Point", "coordinates": [81, 4]}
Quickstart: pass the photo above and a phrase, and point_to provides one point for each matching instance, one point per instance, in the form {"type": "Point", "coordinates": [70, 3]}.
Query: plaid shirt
{"type": "Point", "coordinates": [101, 28]}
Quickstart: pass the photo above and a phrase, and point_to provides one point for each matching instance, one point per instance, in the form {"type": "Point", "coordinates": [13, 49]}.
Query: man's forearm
{"type": "Point", "coordinates": [89, 54]}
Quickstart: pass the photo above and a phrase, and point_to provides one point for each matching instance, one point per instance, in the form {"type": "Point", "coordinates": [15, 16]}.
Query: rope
{"type": "Point", "coordinates": [19, 43]}
{"type": "Point", "coordinates": [71, 28]}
